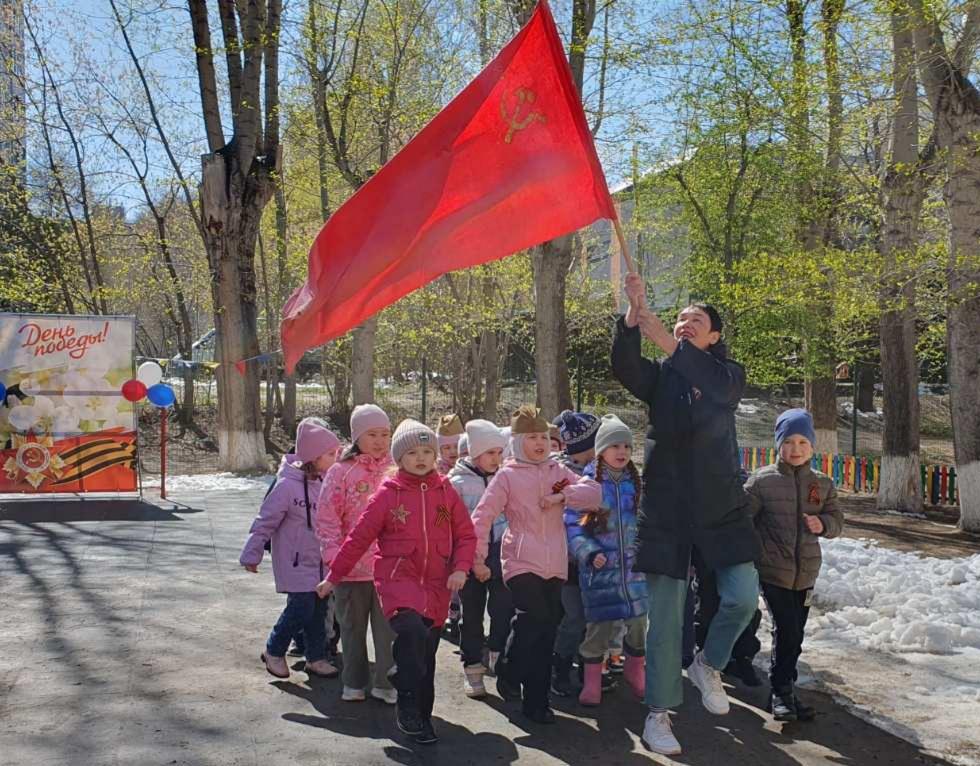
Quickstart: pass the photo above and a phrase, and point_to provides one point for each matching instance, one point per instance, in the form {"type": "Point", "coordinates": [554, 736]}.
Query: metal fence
{"type": "Point", "coordinates": [193, 448]}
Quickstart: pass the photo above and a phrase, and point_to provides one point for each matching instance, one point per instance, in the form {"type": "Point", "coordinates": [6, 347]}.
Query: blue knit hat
{"type": "Point", "coordinates": [577, 430]}
{"type": "Point", "coordinates": [795, 422]}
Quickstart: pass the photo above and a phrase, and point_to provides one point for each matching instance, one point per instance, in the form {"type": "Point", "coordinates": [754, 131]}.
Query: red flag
{"type": "Point", "coordinates": [508, 164]}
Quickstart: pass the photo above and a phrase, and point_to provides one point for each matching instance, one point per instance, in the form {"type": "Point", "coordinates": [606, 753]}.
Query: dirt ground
{"type": "Point", "coordinates": [933, 534]}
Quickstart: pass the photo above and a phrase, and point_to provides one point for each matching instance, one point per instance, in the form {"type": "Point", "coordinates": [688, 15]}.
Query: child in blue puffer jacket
{"type": "Point", "coordinates": [602, 543]}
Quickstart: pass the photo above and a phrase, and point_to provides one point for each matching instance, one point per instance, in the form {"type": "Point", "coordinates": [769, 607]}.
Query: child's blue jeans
{"type": "Point", "coordinates": [304, 612]}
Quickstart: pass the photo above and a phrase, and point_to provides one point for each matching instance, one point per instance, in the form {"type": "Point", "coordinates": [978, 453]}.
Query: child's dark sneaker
{"type": "Point", "coordinates": [540, 715]}
{"type": "Point", "coordinates": [743, 669]}
{"type": "Point", "coordinates": [803, 712]}
{"type": "Point", "coordinates": [507, 690]}
{"type": "Point", "coordinates": [428, 735]}
{"type": "Point", "coordinates": [451, 630]}
{"type": "Point", "coordinates": [782, 706]}
{"type": "Point", "coordinates": [561, 670]}
{"type": "Point", "coordinates": [409, 718]}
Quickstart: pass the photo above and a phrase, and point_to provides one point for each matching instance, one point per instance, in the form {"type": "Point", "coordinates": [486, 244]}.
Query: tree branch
{"type": "Point", "coordinates": [271, 145]}
{"type": "Point", "coordinates": [205, 74]}
{"type": "Point", "coordinates": [233, 53]}
{"type": "Point", "coordinates": [248, 123]}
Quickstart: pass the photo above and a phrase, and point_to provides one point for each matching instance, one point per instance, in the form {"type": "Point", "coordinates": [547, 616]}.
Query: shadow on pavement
{"type": "Point", "coordinates": [376, 721]}
{"type": "Point", "coordinates": [40, 511]}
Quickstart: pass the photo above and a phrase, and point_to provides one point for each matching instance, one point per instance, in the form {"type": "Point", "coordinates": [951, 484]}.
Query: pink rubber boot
{"type": "Point", "coordinates": [635, 673]}
{"type": "Point", "coordinates": [591, 694]}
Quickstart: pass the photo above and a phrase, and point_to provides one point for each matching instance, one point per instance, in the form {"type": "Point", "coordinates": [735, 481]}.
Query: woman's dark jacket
{"type": "Point", "coordinates": [692, 481]}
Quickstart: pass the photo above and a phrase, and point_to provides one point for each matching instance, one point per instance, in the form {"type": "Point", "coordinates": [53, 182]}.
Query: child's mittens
{"type": "Point", "coordinates": [813, 523]}
{"type": "Point", "coordinates": [456, 581]}
{"type": "Point", "coordinates": [552, 501]}
{"type": "Point", "coordinates": [599, 560]}
{"type": "Point", "coordinates": [481, 572]}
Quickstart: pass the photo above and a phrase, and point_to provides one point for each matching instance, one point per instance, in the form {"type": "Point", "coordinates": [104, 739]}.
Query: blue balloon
{"type": "Point", "coordinates": [161, 395]}
{"type": "Point", "coordinates": [3, 394]}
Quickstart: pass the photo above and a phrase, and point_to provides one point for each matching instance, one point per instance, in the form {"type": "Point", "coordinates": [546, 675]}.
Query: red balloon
{"type": "Point", "coordinates": [133, 390]}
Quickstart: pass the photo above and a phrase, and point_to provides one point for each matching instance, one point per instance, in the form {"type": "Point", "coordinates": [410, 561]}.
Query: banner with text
{"type": "Point", "coordinates": [64, 424]}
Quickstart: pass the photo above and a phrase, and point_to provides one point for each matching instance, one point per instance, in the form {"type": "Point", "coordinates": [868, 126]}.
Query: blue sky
{"type": "Point", "coordinates": [85, 30]}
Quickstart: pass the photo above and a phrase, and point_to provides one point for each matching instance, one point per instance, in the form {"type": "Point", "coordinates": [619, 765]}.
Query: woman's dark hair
{"type": "Point", "coordinates": [713, 315]}
{"type": "Point", "coordinates": [350, 453]}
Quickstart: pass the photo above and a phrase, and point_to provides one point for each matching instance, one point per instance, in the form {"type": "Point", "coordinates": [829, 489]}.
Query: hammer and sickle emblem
{"type": "Point", "coordinates": [524, 100]}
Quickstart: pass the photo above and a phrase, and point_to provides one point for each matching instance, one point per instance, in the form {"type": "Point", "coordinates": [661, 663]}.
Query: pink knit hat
{"type": "Point", "coordinates": [314, 438]}
{"type": "Point", "coordinates": [364, 418]}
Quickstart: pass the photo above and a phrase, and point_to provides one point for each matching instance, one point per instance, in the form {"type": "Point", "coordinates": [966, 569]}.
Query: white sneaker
{"type": "Point", "coordinates": [708, 681]}
{"type": "Point", "coordinates": [388, 696]}
{"type": "Point", "coordinates": [351, 694]}
{"type": "Point", "coordinates": [473, 681]}
{"type": "Point", "coordinates": [657, 735]}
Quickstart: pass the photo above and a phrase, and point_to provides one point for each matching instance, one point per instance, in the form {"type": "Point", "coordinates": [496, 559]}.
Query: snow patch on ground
{"type": "Point", "coordinates": [895, 637]}
{"type": "Point", "coordinates": [898, 601]}
{"type": "Point", "coordinates": [212, 482]}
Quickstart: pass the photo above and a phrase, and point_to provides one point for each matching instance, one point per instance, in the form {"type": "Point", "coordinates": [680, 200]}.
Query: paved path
{"type": "Point", "coordinates": [130, 636]}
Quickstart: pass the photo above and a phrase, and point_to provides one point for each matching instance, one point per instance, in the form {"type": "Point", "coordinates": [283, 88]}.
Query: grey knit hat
{"type": "Point", "coordinates": [410, 434]}
{"type": "Point", "coordinates": [612, 431]}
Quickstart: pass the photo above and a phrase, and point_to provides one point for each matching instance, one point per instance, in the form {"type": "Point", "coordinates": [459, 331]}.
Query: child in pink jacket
{"type": "Point", "coordinates": [347, 487]}
{"type": "Point", "coordinates": [425, 549]}
{"type": "Point", "coordinates": [533, 490]}
{"type": "Point", "coordinates": [285, 522]}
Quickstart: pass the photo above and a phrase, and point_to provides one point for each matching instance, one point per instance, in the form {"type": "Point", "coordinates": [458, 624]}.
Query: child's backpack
{"type": "Point", "coordinates": [306, 499]}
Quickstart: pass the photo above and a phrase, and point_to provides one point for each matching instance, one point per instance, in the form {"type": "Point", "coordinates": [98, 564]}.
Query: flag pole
{"type": "Point", "coordinates": [163, 453]}
{"type": "Point", "coordinates": [631, 267]}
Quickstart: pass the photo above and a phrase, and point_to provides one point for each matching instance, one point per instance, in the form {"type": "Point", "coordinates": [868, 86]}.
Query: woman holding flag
{"type": "Point", "coordinates": [692, 498]}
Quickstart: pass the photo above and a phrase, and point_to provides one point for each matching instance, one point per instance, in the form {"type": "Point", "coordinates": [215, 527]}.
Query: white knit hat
{"type": "Point", "coordinates": [364, 418]}
{"type": "Point", "coordinates": [482, 436]}
{"type": "Point", "coordinates": [410, 434]}
{"type": "Point", "coordinates": [612, 431]}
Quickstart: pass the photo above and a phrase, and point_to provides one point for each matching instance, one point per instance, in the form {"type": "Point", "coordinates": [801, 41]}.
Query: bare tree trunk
{"type": "Point", "coordinates": [955, 103]}
{"type": "Point", "coordinates": [865, 387]}
{"type": "Point", "coordinates": [271, 379]}
{"type": "Point", "coordinates": [362, 361]}
{"type": "Point", "coordinates": [820, 395]}
{"type": "Point", "coordinates": [288, 420]}
{"type": "Point", "coordinates": [288, 415]}
{"type": "Point", "coordinates": [231, 230]}
{"type": "Point", "coordinates": [551, 262]}
{"type": "Point", "coordinates": [338, 370]}
{"type": "Point", "coordinates": [237, 182]}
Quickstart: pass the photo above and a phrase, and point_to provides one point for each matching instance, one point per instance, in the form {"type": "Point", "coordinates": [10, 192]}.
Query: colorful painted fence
{"type": "Point", "coordinates": [862, 474]}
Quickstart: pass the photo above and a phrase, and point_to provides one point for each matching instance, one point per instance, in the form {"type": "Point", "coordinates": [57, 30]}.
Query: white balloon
{"type": "Point", "coordinates": [149, 374]}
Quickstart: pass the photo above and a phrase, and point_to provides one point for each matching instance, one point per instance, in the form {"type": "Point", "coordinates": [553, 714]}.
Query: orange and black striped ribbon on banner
{"type": "Point", "coordinates": [87, 459]}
